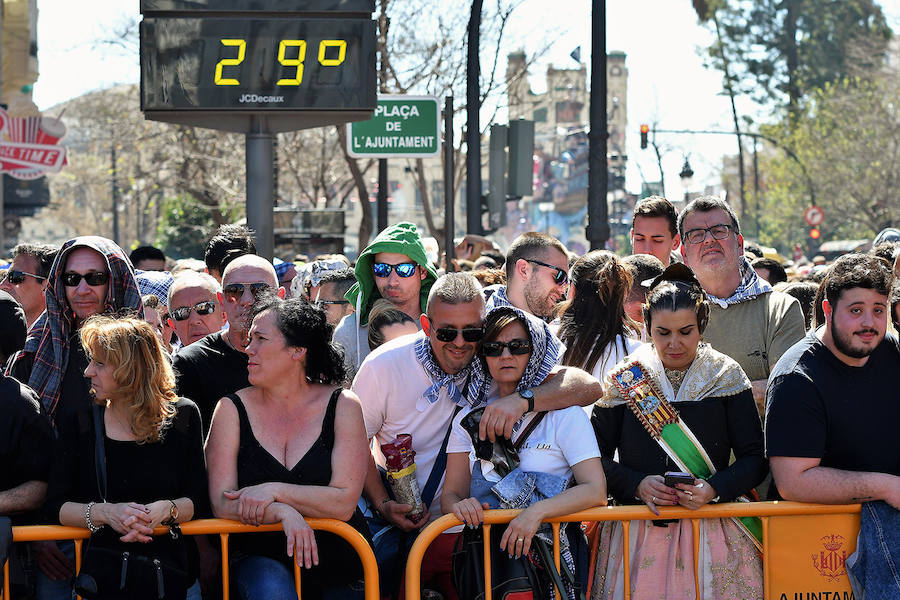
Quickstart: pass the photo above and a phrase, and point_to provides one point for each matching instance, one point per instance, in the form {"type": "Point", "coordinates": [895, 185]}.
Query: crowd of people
{"type": "Point", "coordinates": [140, 392]}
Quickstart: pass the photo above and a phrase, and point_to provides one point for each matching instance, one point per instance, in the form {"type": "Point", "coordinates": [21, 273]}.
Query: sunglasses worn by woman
{"type": "Point", "coordinates": [519, 352]}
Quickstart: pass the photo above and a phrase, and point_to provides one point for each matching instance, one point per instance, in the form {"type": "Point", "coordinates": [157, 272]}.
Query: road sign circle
{"type": "Point", "coordinates": [814, 216]}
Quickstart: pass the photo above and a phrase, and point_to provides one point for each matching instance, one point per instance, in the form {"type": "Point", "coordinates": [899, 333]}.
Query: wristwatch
{"type": "Point", "coordinates": [529, 396]}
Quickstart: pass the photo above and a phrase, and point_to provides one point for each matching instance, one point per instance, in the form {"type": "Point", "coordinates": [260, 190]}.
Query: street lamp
{"type": "Point", "coordinates": [687, 174]}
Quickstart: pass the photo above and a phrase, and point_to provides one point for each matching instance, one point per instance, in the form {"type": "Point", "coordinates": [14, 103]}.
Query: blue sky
{"type": "Point", "coordinates": [667, 81]}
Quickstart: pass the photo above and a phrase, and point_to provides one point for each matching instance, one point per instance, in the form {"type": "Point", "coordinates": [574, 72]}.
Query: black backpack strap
{"type": "Point", "coordinates": [440, 465]}
{"type": "Point", "coordinates": [532, 425]}
{"type": "Point", "coordinates": [99, 450]}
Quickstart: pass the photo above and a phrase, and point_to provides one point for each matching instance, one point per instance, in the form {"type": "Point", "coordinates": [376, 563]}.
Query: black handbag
{"type": "Point", "coordinates": [115, 573]}
{"type": "Point", "coordinates": [511, 578]}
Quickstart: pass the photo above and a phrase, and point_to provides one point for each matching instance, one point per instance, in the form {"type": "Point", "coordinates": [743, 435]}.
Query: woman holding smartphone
{"type": "Point", "coordinates": [677, 405]}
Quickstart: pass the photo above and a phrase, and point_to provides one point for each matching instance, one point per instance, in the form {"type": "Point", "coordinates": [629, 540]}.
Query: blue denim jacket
{"type": "Point", "coordinates": [874, 569]}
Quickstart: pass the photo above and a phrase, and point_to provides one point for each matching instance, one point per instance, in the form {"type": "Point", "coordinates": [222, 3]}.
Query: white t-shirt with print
{"type": "Point", "coordinates": [562, 439]}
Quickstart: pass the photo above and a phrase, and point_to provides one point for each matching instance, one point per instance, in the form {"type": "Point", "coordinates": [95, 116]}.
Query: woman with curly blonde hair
{"type": "Point", "coordinates": [152, 455]}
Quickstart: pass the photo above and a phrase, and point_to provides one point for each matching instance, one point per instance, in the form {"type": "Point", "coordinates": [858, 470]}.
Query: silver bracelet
{"type": "Point", "coordinates": [87, 518]}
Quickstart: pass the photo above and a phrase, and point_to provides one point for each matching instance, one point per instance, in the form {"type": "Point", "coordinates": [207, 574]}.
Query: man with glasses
{"type": "Point", "coordinates": [195, 306]}
{"type": "Point", "coordinates": [330, 291]}
{"type": "Point", "coordinates": [415, 385]}
{"type": "Point", "coordinates": [748, 321]}
{"type": "Point", "coordinates": [537, 275]}
{"type": "Point", "coordinates": [215, 366]}
{"type": "Point", "coordinates": [26, 278]}
{"type": "Point", "coordinates": [91, 275]}
{"type": "Point", "coordinates": [395, 267]}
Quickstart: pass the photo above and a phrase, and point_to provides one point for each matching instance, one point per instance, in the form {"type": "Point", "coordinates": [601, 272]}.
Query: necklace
{"type": "Point", "coordinates": [675, 377]}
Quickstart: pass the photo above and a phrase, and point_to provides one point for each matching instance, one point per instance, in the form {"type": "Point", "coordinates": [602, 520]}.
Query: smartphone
{"type": "Point", "coordinates": [673, 477]}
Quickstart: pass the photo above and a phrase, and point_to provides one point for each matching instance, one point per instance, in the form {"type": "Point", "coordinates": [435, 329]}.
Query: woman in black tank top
{"type": "Point", "coordinates": [292, 445]}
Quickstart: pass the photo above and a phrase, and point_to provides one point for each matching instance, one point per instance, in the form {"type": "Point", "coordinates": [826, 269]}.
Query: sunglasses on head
{"type": "Point", "coordinates": [403, 269]}
{"type": "Point", "coordinates": [448, 334]}
{"type": "Point", "coordinates": [516, 347]}
{"type": "Point", "coordinates": [234, 291]}
{"type": "Point", "coordinates": [201, 308]}
{"type": "Point", "coordinates": [93, 279]}
{"type": "Point", "coordinates": [17, 277]}
{"type": "Point", "coordinates": [560, 278]}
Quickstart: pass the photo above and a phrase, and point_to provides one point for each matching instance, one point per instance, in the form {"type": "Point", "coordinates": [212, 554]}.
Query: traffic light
{"type": "Point", "coordinates": [814, 233]}
{"type": "Point", "coordinates": [497, 185]}
{"type": "Point", "coordinates": [520, 181]}
{"type": "Point", "coordinates": [644, 130]}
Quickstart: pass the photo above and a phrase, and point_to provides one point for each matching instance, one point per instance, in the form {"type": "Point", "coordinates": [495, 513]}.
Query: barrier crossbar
{"type": "Point", "coordinates": [626, 514]}
{"type": "Point", "coordinates": [221, 527]}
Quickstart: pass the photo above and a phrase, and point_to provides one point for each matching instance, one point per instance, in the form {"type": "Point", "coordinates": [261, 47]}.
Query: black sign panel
{"type": "Point", "coordinates": [279, 6]}
{"type": "Point", "coordinates": [253, 64]}
{"type": "Point", "coordinates": [24, 197]}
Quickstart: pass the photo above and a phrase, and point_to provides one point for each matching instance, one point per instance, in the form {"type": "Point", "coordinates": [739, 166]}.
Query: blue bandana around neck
{"type": "Point", "coordinates": [470, 379]}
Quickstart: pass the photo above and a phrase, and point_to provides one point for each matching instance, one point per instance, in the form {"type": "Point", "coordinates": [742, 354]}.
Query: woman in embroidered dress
{"type": "Point", "coordinates": [520, 352]}
{"type": "Point", "coordinates": [705, 413]}
{"type": "Point", "coordinates": [594, 327]}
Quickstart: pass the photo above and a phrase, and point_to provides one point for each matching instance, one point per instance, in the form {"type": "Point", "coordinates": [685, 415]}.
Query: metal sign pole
{"type": "Point", "coordinates": [260, 186]}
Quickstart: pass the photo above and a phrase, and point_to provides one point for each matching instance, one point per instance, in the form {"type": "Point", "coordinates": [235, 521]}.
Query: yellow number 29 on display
{"type": "Point", "coordinates": [283, 59]}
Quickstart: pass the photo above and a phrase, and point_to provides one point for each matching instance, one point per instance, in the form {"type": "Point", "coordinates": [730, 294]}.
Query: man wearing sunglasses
{"type": "Point", "coordinates": [91, 275]}
{"type": "Point", "coordinates": [537, 275]}
{"type": "Point", "coordinates": [415, 385]}
{"type": "Point", "coordinates": [216, 365]}
{"type": "Point", "coordinates": [26, 278]}
{"type": "Point", "coordinates": [748, 321]}
{"type": "Point", "coordinates": [395, 267]}
{"type": "Point", "coordinates": [195, 306]}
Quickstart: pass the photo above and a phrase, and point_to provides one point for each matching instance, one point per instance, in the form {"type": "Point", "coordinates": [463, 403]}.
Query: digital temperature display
{"type": "Point", "coordinates": [257, 64]}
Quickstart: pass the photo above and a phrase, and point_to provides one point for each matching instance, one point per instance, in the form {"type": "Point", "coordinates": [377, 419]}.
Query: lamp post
{"type": "Point", "coordinates": [687, 175]}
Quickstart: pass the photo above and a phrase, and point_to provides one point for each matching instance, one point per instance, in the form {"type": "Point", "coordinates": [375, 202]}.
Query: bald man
{"type": "Point", "coordinates": [216, 366]}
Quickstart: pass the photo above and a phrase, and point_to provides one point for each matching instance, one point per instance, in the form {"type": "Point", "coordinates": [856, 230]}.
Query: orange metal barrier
{"type": "Point", "coordinates": [801, 542]}
{"type": "Point", "coordinates": [222, 528]}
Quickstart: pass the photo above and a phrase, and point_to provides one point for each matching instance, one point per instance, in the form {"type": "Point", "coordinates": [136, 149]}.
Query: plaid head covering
{"type": "Point", "coordinates": [154, 282]}
{"type": "Point", "coordinates": [48, 339]}
{"type": "Point", "coordinates": [545, 353]}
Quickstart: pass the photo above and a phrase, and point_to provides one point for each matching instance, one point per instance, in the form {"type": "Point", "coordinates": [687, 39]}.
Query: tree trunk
{"type": "Point", "coordinates": [435, 232]}
{"type": "Point", "coordinates": [365, 223]}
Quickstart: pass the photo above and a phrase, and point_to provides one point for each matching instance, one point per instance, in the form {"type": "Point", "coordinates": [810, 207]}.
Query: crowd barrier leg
{"type": "Point", "coordinates": [626, 556]}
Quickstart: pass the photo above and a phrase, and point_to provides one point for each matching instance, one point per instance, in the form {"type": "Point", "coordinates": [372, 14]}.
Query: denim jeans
{"type": "Point", "coordinates": [51, 589]}
{"type": "Point", "coordinates": [264, 578]}
{"type": "Point", "coordinates": [874, 569]}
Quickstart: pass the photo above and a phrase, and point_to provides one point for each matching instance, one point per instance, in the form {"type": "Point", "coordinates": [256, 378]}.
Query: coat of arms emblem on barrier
{"type": "Point", "coordinates": [831, 561]}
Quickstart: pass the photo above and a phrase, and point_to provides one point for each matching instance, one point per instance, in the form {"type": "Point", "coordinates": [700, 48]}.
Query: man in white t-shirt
{"type": "Point", "coordinates": [414, 385]}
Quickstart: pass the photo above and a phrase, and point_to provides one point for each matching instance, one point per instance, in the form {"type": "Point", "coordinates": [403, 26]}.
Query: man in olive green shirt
{"type": "Point", "coordinates": [748, 321]}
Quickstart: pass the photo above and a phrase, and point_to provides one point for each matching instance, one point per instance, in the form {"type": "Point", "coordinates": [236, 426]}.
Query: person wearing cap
{"type": "Point", "coordinates": [26, 440]}
{"type": "Point", "coordinates": [158, 283]}
{"type": "Point", "coordinates": [748, 320]}
{"type": "Point", "coordinates": [395, 267]}
{"type": "Point", "coordinates": [26, 278]}
{"type": "Point", "coordinates": [286, 272]}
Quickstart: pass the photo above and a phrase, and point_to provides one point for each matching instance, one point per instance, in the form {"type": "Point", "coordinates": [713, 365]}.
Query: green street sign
{"type": "Point", "coordinates": [401, 127]}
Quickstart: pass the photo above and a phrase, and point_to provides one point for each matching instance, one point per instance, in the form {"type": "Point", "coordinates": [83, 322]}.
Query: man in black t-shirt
{"type": "Point", "coordinates": [216, 365]}
{"type": "Point", "coordinates": [832, 408]}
